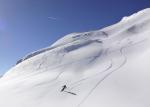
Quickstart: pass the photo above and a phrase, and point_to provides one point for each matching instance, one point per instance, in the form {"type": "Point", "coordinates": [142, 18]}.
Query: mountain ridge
{"type": "Point", "coordinates": [105, 67]}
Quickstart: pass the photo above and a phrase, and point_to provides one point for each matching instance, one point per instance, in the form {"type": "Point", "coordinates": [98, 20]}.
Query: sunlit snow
{"type": "Point", "coordinates": [109, 67]}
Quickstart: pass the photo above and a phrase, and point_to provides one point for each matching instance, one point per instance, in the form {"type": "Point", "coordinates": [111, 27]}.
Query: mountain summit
{"type": "Point", "coordinates": [103, 68]}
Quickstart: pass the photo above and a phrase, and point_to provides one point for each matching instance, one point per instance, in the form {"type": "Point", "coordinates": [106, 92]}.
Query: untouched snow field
{"type": "Point", "coordinates": [109, 67]}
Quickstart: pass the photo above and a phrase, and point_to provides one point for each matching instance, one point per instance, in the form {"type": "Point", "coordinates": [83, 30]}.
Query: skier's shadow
{"type": "Point", "coordinates": [64, 87]}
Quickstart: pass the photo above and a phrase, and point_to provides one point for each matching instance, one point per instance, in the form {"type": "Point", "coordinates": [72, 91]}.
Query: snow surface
{"type": "Point", "coordinates": [109, 67]}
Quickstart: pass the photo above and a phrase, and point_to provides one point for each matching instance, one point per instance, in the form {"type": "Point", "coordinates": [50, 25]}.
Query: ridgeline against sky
{"type": "Point", "coordinates": [28, 25]}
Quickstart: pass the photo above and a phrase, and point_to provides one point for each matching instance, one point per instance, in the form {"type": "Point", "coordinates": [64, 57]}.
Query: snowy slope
{"type": "Point", "coordinates": [109, 67]}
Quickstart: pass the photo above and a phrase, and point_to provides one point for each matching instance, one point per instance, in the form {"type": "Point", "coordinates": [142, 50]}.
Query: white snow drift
{"type": "Point", "coordinates": [104, 68]}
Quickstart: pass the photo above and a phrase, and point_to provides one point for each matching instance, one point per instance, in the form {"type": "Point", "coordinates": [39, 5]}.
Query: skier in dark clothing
{"type": "Point", "coordinates": [63, 88]}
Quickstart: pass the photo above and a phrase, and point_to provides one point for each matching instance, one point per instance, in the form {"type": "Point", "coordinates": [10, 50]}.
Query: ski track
{"type": "Point", "coordinates": [109, 67]}
{"type": "Point", "coordinates": [59, 66]}
{"type": "Point", "coordinates": [58, 76]}
{"type": "Point", "coordinates": [101, 80]}
{"type": "Point", "coordinates": [77, 83]}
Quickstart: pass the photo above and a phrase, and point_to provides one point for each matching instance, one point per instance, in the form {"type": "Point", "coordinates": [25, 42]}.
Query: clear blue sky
{"type": "Point", "coordinates": [28, 25]}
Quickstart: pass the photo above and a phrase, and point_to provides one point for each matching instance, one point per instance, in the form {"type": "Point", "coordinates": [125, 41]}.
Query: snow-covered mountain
{"type": "Point", "coordinates": [109, 67]}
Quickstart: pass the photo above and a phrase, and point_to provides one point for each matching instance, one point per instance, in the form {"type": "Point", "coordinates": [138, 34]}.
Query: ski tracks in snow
{"type": "Point", "coordinates": [109, 73]}
{"type": "Point", "coordinates": [105, 76]}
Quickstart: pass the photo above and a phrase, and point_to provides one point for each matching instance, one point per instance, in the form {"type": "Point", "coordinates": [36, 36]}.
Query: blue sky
{"type": "Point", "coordinates": [28, 25]}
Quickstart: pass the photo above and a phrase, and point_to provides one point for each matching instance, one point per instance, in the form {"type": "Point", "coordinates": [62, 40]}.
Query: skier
{"type": "Point", "coordinates": [63, 88]}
